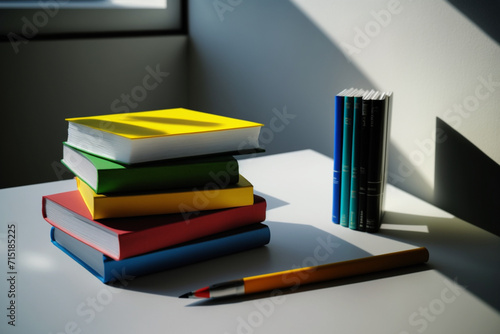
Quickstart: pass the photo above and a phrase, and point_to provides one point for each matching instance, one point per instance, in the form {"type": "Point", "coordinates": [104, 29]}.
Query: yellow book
{"type": "Point", "coordinates": [161, 134]}
{"type": "Point", "coordinates": [189, 200]}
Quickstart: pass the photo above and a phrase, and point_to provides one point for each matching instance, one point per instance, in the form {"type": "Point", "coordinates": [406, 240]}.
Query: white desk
{"type": "Point", "coordinates": [457, 292]}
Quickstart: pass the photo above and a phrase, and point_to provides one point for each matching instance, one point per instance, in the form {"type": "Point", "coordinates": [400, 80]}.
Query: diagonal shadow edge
{"type": "Point", "coordinates": [465, 244]}
{"type": "Point", "coordinates": [483, 13]}
{"type": "Point", "coordinates": [466, 180]}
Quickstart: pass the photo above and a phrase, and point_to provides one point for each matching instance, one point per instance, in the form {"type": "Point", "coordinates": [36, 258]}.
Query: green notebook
{"type": "Point", "coordinates": [106, 176]}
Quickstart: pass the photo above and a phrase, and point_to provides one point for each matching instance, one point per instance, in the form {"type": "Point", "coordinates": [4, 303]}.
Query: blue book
{"type": "Point", "coordinates": [337, 153]}
{"type": "Point", "coordinates": [356, 125]}
{"type": "Point", "coordinates": [345, 187]}
{"type": "Point", "coordinates": [108, 270]}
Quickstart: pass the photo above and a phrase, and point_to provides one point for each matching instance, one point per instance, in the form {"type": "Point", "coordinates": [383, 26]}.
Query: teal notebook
{"type": "Point", "coordinates": [356, 125]}
{"type": "Point", "coordinates": [345, 187]}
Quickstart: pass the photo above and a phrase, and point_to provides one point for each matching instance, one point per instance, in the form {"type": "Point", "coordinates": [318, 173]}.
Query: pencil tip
{"type": "Point", "coordinates": [186, 295]}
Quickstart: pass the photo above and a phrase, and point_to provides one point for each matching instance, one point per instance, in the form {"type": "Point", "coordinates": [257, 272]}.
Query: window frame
{"type": "Point", "coordinates": [53, 19]}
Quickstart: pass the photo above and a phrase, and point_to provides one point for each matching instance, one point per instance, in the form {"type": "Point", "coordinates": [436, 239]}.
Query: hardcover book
{"type": "Point", "coordinates": [108, 270]}
{"type": "Point", "coordinates": [106, 176]}
{"type": "Point", "coordinates": [376, 176]}
{"type": "Point", "coordinates": [210, 197]}
{"type": "Point", "coordinates": [337, 152]}
{"type": "Point", "coordinates": [356, 127]}
{"type": "Point", "coordinates": [120, 238]}
{"type": "Point", "coordinates": [364, 142]}
{"type": "Point", "coordinates": [345, 188]}
{"type": "Point", "coordinates": [161, 134]}
{"type": "Point", "coordinates": [385, 155]}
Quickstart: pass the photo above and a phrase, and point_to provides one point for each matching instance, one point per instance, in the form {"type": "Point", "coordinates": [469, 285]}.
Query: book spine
{"type": "Point", "coordinates": [156, 203]}
{"type": "Point", "coordinates": [364, 137]}
{"type": "Point", "coordinates": [375, 165]}
{"type": "Point", "coordinates": [84, 264]}
{"type": "Point", "coordinates": [177, 175]}
{"type": "Point", "coordinates": [337, 156]}
{"type": "Point", "coordinates": [353, 204]}
{"type": "Point", "coordinates": [194, 226]}
{"type": "Point", "coordinates": [218, 245]}
{"type": "Point", "coordinates": [387, 135]}
{"type": "Point", "coordinates": [346, 162]}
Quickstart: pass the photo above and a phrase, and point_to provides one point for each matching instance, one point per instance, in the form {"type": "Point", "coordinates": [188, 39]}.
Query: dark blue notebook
{"type": "Point", "coordinates": [337, 152]}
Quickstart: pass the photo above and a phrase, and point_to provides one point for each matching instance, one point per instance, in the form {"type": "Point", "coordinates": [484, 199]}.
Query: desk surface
{"type": "Point", "coordinates": [456, 292]}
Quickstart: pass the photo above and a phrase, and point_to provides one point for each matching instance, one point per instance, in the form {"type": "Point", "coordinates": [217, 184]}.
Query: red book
{"type": "Point", "coordinates": [121, 238]}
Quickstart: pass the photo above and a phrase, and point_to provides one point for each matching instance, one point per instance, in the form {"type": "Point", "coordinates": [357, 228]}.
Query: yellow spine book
{"type": "Point", "coordinates": [189, 200]}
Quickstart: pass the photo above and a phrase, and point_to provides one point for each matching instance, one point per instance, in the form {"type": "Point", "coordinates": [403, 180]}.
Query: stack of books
{"type": "Point", "coordinates": [156, 190]}
{"type": "Point", "coordinates": [361, 135]}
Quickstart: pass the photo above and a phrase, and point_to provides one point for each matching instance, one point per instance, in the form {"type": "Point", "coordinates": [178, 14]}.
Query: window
{"type": "Point", "coordinates": [51, 18]}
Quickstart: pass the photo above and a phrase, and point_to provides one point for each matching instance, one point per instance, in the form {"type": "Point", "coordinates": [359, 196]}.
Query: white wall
{"type": "Point", "coordinates": [437, 62]}
{"type": "Point", "coordinates": [266, 61]}
{"type": "Point", "coordinates": [253, 59]}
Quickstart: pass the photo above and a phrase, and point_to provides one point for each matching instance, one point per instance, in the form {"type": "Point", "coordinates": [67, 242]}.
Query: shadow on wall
{"type": "Point", "coordinates": [483, 13]}
{"type": "Point", "coordinates": [403, 174]}
{"type": "Point", "coordinates": [51, 80]}
{"type": "Point", "coordinates": [466, 180]}
{"type": "Point", "coordinates": [267, 62]}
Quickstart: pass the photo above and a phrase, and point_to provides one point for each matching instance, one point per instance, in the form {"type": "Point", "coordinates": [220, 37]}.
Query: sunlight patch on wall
{"type": "Point", "coordinates": [437, 62]}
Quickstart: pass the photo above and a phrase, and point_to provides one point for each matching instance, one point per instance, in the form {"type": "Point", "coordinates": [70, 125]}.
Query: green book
{"type": "Point", "coordinates": [106, 176]}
